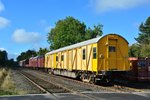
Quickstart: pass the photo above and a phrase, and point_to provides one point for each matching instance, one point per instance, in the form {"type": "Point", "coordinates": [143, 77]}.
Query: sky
{"type": "Point", "coordinates": [24, 24]}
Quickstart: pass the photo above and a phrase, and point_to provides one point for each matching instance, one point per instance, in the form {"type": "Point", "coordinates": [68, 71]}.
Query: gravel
{"type": "Point", "coordinates": [73, 85]}
{"type": "Point", "coordinates": [23, 86]}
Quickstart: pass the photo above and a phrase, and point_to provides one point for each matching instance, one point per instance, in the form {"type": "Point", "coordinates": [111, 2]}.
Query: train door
{"type": "Point", "coordinates": [112, 54]}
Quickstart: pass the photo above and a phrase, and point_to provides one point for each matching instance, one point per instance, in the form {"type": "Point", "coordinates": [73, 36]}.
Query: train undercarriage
{"type": "Point", "coordinates": [104, 77]}
{"type": "Point", "coordinates": [85, 76]}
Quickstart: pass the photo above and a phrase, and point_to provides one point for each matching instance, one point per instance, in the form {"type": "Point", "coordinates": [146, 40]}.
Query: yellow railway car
{"type": "Point", "coordinates": [91, 60]}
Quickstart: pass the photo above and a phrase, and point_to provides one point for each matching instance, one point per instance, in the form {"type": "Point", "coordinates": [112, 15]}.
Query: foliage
{"type": "Point", "coordinates": [145, 50]}
{"type": "Point", "coordinates": [42, 51]}
{"type": "Point", "coordinates": [144, 35]}
{"type": "Point", "coordinates": [3, 92]}
{"type": "Point", "coordinates": [97, 31]}
{"type": "Point", "coordinates": [66, 32]}
{"type": "Point", "coordinates": [143, 41]}
{"type": "Point", "coordinates": [26, 55]}
{"type": "Point", "coordinates": [12, 63]}
{"type": "Point", "coordinates": [70, 31]}
{"type": "Point", "coordinates": [134, 50]}
{"type": "Point", "coordinates": [3, 58]}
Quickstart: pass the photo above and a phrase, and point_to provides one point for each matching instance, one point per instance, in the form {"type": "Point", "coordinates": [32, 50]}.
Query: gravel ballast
{"type": "Point", "coordinates": [23, 85]}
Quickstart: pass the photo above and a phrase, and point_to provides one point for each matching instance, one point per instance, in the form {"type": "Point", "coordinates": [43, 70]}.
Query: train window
{"type": "Point", "coordinates": [94, 53]}
{"type": "Point", "coordinates": [112, 49]}
{"type": "Point", "coordinates": [62, 57]}
{"type": "Point", "coordinates": [83, 54]}
{"type": "Point", "coordinates": [56, 58]}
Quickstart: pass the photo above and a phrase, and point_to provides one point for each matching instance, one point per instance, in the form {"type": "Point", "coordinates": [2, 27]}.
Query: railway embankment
{"type": "Point", "coordinates": [7, 86]}
{"type": "Point", "coordinates": [12, 83]}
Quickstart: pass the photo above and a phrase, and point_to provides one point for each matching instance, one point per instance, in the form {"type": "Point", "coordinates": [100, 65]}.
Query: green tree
{"type": "Point", "coordinates": [42, 51]}
{"type": "Point", "coordinates": [70, 31]}
{"type": "Point", "coordinates": [144, 38]}
{"type": "Point", "coordinates": [97, 31]}
{"type": "Point", "coordinates": [145, 50]}
{"type": "Point", "coordinates": [12, 63]}
{"type": "Point", "coordinates": [26, 55]}
{"type": "Point", "coordinates": [3, 58]}
{"type": "Point", "coordinates": [66, 32]}
{"type": "Point", "coordinates": [4, 61]}
{"type": "Point", "coordinates": [144, 35]}
{"type": "Point", "coordinates": [134, 50]}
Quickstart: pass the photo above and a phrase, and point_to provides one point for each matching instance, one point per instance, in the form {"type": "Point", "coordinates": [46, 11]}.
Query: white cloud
{"type": "Point", "coordinates": [4, 22]}
{"type": "Point", "coordinates": [2, 7]}
{"type": "Point", "coordinates": [2, 49]}
{"type": "Point", "coordinates": [108, 5]}
{"type": "Point", "coordinates": [22, 36]}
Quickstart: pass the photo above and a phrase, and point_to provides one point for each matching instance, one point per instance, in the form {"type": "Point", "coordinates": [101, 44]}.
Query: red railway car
{"type": "Point", "coordinates": [40, 61]}
{"type": "Point", "coordinates": [140, 69]}
{"type": "Point", "coordinates": [31, 62]}
{"type": "Point", "coordinates": [132, 74]}
{"type": "Point", "coordinates": [148, 69]}
{"type": "Point", "coordinates": [21, 63]}
{"type": "Point", "coordinates": [35, 64]}
{"type": "Point", "coordinates": [24, 63]}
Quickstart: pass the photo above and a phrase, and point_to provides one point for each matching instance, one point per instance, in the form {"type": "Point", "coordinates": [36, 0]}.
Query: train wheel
{"type": "Point", "coordinates": [50, 71]}
{"type": "Point", "coordinates": [93, 81]}
{"type": "Point", "coordinates": [87, 78]}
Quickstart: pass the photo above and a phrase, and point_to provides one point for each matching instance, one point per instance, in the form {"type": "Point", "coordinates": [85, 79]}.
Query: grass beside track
{"type": "Point", "coordinates": [2, 92]}
{"type": "Point", "coordinates": [7, 86]}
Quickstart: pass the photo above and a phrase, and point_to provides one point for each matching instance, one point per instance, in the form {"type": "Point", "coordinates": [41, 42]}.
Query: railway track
{"type": "Point", "coordinates": [84, 87]}
{"type": "Point", "coordinates": [108, 88]}
{"type": "Point", "coordinates": [70, 83]}
{"type": "Point", "coordinates": [51, 87]}
{"type": "Point", "coordinates": [45, 86]}
{"type": "Point", "coordinates": [115, 87]}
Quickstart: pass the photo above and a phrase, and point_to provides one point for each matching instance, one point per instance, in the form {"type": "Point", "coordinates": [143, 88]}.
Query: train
{"type": "Point", "coordinates": [94, 60]}
{"type": "Point", "coordinates": [140, 70]}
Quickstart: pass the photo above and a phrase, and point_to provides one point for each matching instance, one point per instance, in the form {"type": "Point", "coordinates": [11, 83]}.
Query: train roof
{"type": "Point", "coordinates": [33, 57]}
{"type": "Point", "coordinates": [40, 56]}
{"type": "Point", "coordinates": [80, 44]}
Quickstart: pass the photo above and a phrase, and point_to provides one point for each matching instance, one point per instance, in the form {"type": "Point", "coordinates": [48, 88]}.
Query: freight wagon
{"type": "Point", "coordinates": [40, 61]}
{"type": "Point", "coordinates": [93, 60]}
{"type": "Point", "coordinates": [140, 69]}
{"type": "Point", "coordinates": [24, 63]}
{"type": "Point", "coordinates": [33, 62]}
